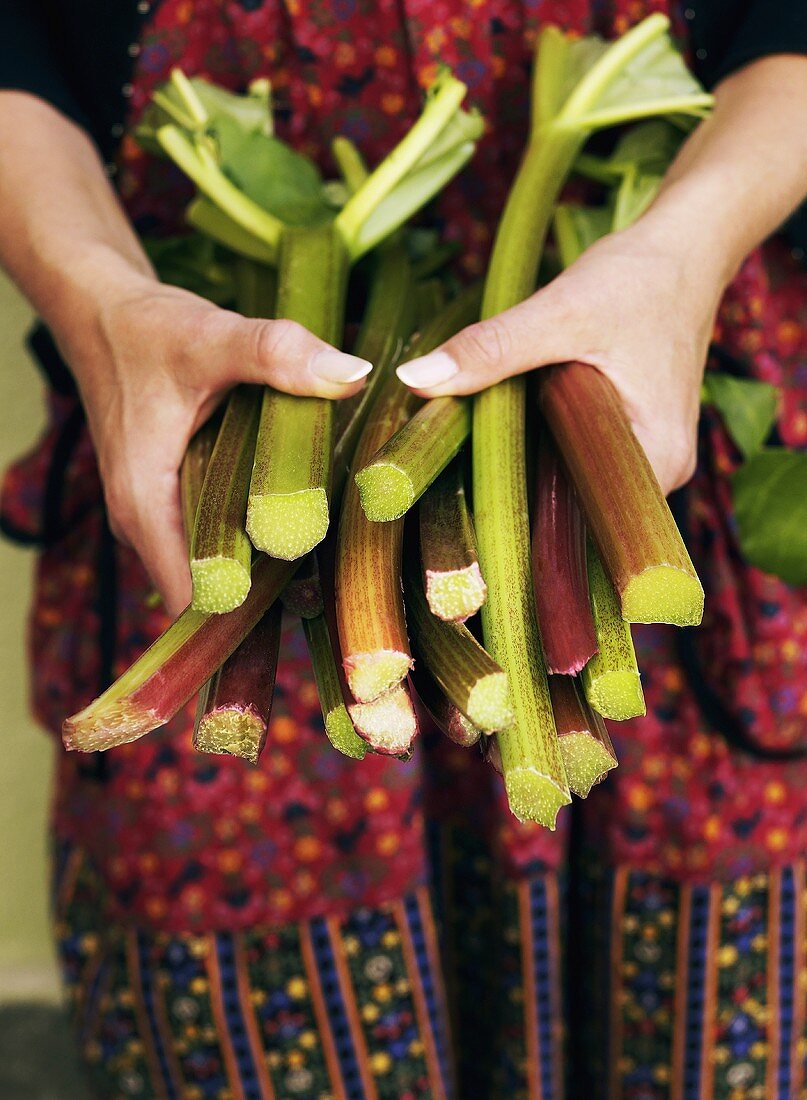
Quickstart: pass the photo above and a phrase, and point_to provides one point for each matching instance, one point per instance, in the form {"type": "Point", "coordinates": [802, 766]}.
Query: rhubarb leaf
{"type": "Point", "coordinates": [770, 504]}
{"type": "Point", "coordinates": [747, 406]}
{"type": "Point", "coordinates": [273, 175]}
{"type": "Point", "coordinates": [639, 75]}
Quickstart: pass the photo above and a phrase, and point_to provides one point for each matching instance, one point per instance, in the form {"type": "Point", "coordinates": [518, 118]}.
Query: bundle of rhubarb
{"type": "Point", "coordinates": [503, 599]}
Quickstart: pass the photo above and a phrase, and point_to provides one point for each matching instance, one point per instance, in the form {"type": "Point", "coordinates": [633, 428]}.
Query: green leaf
{"type": "Point", "coordinates": [285, 183]}
{"type": "Point", "coordinates": [748, 408]}
{"type": "Point", "coordinates": [634, 195]}
{"type": "Point", "coordinates": [770, 503]}
{"type": "Point", "coordinates": [639, 75]}
{"type": "Point", "coordinates": [578, 227]}
{"type": "Point", "coordinates": [250, 113]}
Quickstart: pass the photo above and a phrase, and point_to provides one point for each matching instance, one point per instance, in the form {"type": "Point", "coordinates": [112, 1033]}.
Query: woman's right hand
{"type": "Point", "coordinates": [151, 365]}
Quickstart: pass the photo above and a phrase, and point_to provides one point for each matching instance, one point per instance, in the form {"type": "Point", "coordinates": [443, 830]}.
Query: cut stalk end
{"type": "Point", "coordinates": [616, 695]}
{"type": "Point", "coordinates": [533, 796]}
{"type": "Point", "coordinates": [457, 595]}
{"type": "Point", "coordinates": [388, 724]}
{"type": "Point", "coordinates": [231, 732]}
{"type": "Point", "coordinates": [386, 493]}
{"type": "Point", "coordinates": [489, 705]}
{"type": "Point", "coordinates": [342, 734]}
{"type": "Point", "coordinates": [95, 729]}
{"type": "Point", "coordinates": [371, 674]}
{"type": "Point", "coordinates": [288, 525]}
{"type": "Point", "coordinates": [587, 761]}
{"type": "Point", "coordinates": [219, 584]}
{"type": "Point", "coordinates": [663, 594]}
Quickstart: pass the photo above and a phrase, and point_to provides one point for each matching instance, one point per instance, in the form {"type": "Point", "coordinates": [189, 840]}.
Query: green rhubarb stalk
{"type": "Point", "coordinates": [468, 676]}
{"type": "Point", "coordinates": [403, 469]}
{"type": "Point", "coordinates": [235, 705]}
{"type": "Point", "coordinates": [588, 754]}
{"type": "Point", "coordinates": [221, 553]}
{"type": "Point", "coordinates": [287, 514]}
{"type": "Point", "coordinates": [369, 605]}
{"type": "Point", "coordinates": [455, 588]}
{"type": "Point", "coordinates": [619, 86]}
{"type": "Point", "coordinates": [351, 163]}
{"type": "Point", "coordinates": [611, 679]}
{"type": "Point", "coordinates": [203, 215]}
{"type": "Point", "coordinates": [387, 323]}
{"type": "Point", "coordinates": [338, 724]}
{"type": "Point", "coordinates": [449, 719]}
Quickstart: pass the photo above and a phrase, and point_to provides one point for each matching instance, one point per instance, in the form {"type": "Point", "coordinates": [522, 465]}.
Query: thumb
{"type": "Point", "coordinates": [527, 336]}
{"type": "Point", "coordinates": [288, 357]}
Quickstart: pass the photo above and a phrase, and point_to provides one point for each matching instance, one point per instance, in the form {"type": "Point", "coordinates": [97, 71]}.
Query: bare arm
{"type": "Point", "coordinates": [641, 304]}
{"type": "Point", "coordinates": [151, 361]}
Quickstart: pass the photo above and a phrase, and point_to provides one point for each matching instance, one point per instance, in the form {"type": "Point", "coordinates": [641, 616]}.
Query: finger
{"type": "Point", "coordinates": [147, 517]}
{"type": "Point", "coordinates": [529, 335]}
{"type": "Point", "coordinates": [288, 357]}
{"type": "Point", "coordinates": [161, 541]}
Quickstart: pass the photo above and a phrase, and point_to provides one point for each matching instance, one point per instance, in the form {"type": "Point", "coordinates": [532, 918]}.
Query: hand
{"type": "Point", "coordinates": [151, 367]}
{"type": "Point", "coordinates": [636, 307]}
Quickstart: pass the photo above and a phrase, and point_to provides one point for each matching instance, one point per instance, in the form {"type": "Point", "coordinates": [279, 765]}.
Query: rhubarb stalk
{"type": "Point", "coordinates": [449, 719]}
{"type": "Point", "coordinates": [173, 668]}
{"type": "Point", "coordinates": [221, 553]}
{"type": "Point", "coordinates": [559, 567]}
{"type": "Point", "coordinates": [624, 507]}
{"type": "Point", "coordinates": [622, 84]}
{"type": "Point", "coordinates": [455, 588]}
{"type": "Point", "coordinates": [338, 723]}
{"type": "Point", "coordinates": [369, 604]}
{"type": "Point", "coordinates": [468, 676]}
{"type": "Point", "coordinates": [611, 678]}
{"type": "Point", "coordinates": [388, 723]}
{"type": "Point", "coordinates": [192, 473]}
{"type": "Point", "coordinates": [235, 705]}
{"type": "Point", "coordinates": [588, 754]}
{"type": "Point", "coordinates": [403, 469]}
{"type": "Point", "coordinates": [287, 514]}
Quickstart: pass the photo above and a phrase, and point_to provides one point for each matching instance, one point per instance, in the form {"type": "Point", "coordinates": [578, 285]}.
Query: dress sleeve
{"type": "Point", "coordinates": [30, 58]}
{"type": "Point", "coordinates": [728, 34]}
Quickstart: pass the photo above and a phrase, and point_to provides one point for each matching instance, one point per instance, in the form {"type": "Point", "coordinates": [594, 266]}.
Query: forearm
{"type": "Point", "coordinates": [64, 237]}
{"type": "Point", "coordinates": [742, 172]}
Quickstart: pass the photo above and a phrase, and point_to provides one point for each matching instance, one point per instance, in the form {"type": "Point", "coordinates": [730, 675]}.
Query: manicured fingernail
{"type": "Point", "coordinates": [335, 366]}
{"type": "Point", "coordinates": [430, 370]}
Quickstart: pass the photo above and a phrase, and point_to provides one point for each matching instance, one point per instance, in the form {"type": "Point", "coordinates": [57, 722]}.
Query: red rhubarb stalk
{"type": "Point", "coordinates": [559, 567]}
{"type": "Point", "coordinates": [236, 703]}
{"type": "Point", "coordinates": [625, 510]}
{"type": "Point", "coordinates": [588, 754]}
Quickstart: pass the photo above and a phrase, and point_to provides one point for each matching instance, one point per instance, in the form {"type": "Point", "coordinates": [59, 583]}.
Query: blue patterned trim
{"type": "Point", "coordinates": [147, 987]}
{"type": "Point", "coordinates": [337, 1012]}
{"type": "Point", "coordinates": [234, 1017]}
{"type": "Point", "coordinates": [787, 970]}
{"type": "Point", "coordinates": [427, 981]}
{"type": "Point", "coordinates": [543, 981]}
{"type": "Point", "coordinates": [697, 957]}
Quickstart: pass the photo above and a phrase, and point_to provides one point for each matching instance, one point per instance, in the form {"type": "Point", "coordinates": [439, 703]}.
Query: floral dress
{"type": "Point", "coordinates": [321, 928]}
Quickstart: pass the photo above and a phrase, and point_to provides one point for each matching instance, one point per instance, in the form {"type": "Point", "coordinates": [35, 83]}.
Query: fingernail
{"type": "Point", "coordinates": [335, 366]}
{"type": "Point", "coordinates": [430, 370]}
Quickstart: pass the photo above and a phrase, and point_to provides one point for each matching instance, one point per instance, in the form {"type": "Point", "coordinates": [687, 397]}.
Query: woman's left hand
{"type": "Point", "coordinates": [633, 306]}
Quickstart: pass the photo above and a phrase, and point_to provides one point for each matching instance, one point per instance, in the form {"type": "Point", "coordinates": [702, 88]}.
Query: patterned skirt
{"type": "Point", "coordinates": [588, 984]}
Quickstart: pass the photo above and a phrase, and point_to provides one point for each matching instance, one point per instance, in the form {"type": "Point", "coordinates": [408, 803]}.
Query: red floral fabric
{"type": "Point", "coordinates": [189, 842]}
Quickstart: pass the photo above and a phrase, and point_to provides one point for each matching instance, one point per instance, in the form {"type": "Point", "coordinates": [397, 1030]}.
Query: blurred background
{"type": "Point", "coordinates": [31, 1018]}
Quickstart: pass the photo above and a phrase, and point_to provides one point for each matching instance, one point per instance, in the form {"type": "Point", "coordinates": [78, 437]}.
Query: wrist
{"type": "Point", "coordinates": [76, 303]}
